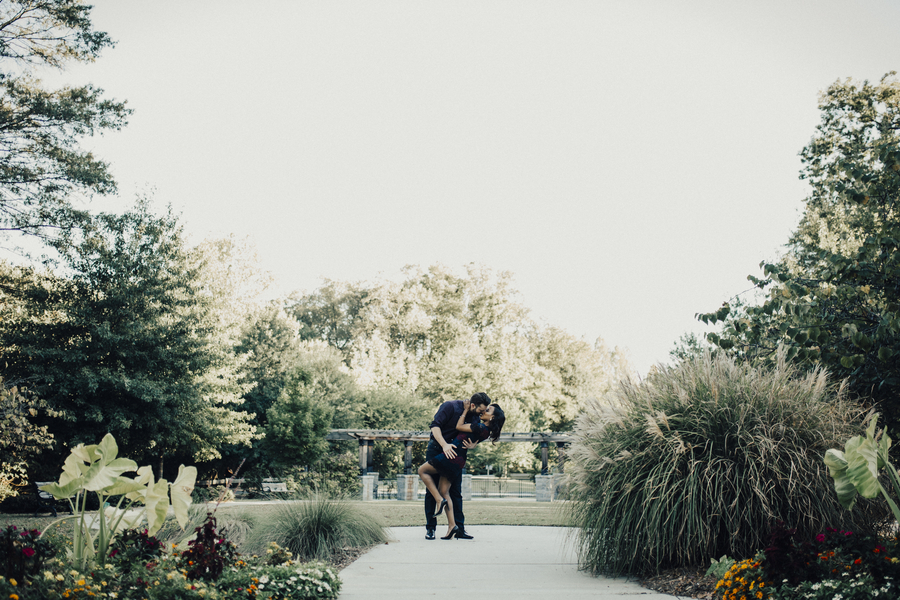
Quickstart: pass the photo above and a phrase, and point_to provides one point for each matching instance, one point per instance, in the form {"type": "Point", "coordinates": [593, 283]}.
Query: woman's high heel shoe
{"type": "Point", "coordinates": [440, 509]}
{"type": "Point", "coordinates": [452, 533]}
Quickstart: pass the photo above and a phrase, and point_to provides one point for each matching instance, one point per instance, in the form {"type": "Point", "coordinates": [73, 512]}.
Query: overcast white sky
{"type": "Point", "coordinates": [630, 162]}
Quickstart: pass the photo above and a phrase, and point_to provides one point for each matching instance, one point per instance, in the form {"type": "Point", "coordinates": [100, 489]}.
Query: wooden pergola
{"type": "Point", "coordinates": [367, 437]}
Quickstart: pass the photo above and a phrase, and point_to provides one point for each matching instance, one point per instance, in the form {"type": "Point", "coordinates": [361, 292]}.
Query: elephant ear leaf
{"type": "Point", "coordinates": [837, 468]}
{"type": "Point", "coordinates": [862, 469]}
{"type": "Point", "coordinates": [123, 486]}
{"type": "Point", "coordinates": [157, 503]}
{"type": "Point", "coordinates": [61, 492]}
{"type": "Point", "coordinates": [107, 450]}
{"type": "Point", "coordinates": [101, 476]}
{"type": "Point", "coordinates": [181, 491]}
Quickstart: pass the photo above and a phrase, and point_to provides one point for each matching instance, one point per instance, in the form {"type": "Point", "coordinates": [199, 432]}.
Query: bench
{"type": "Point", "coordinates": [269, 485]}
{"type": "Point", "coordinates": [273, 485]}
{"type": "Point", "coordinates": [44, 500]}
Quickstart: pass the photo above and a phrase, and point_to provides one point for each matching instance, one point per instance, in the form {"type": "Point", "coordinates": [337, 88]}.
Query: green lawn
{"type": "Point", "coordinates": [478, 512]}
{"type": "Point", "coordinates": [393, 513]}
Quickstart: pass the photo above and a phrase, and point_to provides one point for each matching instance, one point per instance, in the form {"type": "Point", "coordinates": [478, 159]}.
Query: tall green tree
{"type": "Point", "coordinates": [43, 170]}
{"type": "Point", "coordinates": [331, 313]}
{"type": "Point", "coordinates": [21, 440]}
{"type": "Point", "coordinates": [122, 341]}
{"type": "Point", "coordinates": [834, 299]}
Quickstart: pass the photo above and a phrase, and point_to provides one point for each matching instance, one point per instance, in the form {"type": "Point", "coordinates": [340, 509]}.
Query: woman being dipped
{"type": "Point", "coordinates": [448, 469]}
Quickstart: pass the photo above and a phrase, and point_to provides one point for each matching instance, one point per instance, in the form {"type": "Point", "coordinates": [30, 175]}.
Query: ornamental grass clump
{"type": "Point", "coordinates": [319, 527]}
{"type": "Point", "coordinates": [701, 459]}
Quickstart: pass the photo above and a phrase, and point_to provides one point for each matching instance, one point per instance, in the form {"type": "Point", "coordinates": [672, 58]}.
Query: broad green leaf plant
{"type": "Point", "coordinates": [98, 469]}
{"type": "Point", "coordinates": [856, 469]}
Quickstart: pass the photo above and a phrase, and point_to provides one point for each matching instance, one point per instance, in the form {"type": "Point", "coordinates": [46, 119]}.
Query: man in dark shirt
{"type": "Point", "coordinates": [443, 430]}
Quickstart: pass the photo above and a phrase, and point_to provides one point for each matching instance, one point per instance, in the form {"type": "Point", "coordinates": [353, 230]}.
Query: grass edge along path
{"type": "Point", "coordinates": [392, 513]}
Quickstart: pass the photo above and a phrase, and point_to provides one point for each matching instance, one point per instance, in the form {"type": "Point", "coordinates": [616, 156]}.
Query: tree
{"type": "Point", "coordinates": [21, 441]}
{"type": "Point", "coordinates": [300, 418]}
{"type": "Point", "coordinates": [125, 344]}
{"type": "Point", "coordinates": [273, 353]}
{"type": "Point", "coordinates": [834, 299]}
{"type": "Point", "coordinates": [42, 168]}
{"type": "Point", "coordinates": [332, 314]}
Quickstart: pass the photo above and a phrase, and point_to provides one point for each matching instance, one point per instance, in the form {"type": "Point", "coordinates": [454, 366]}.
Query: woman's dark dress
{"type": "Point", "coordinates": [451, 467]}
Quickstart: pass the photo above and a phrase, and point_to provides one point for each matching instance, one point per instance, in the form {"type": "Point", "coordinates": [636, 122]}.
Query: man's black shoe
{"type": "Point", "coordinates": [462, 535]}
{"type": "Point", "coordinates": [429, 534]}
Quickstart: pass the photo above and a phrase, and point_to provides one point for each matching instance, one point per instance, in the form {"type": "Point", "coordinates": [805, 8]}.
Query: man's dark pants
{"type": "Point", "coordinates": [455, 493]}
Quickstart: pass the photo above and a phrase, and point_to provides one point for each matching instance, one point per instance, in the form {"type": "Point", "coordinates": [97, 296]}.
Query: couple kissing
{"type": "Point", "coordinates": [458, 426]}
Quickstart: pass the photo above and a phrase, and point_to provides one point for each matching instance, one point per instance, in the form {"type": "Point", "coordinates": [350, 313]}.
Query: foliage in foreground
{"type": "Point", "coordinates": [833, 564]}
{"type": "Point", "coordinates": [98, 469]}
{"type": "Point", "coordinates": [140, 566]}
{"type": "Point", "coordinates": [856, 469]}
{"type": "Point", "coordinates": [700, 460]}
{"type": "Point", "coordinates": [164, 580]}
{"type": "Point", "coordinates": [319, 527]}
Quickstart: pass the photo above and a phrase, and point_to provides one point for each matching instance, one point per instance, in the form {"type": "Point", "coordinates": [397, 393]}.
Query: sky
{"type": "Point", "coordinates": [630, 163]}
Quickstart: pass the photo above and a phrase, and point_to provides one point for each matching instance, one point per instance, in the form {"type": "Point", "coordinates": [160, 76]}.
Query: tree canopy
{"type": "Point", "coordinates": [43, 170]}
{"type": "Point", "coordinates": [834, 298]}
{"type": "Point", "coordinates": [124, 340]}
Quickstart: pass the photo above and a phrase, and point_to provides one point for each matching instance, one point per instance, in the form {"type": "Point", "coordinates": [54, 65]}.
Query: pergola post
{"type": "Point", "coordinates": [363, 459]}
{"type": "Point", "coordinates": [407, 457]}
{"type": "Point", "coordinates": [545, 455]}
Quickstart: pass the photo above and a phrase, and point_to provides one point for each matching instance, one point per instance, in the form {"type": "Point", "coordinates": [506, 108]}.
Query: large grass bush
{"type": "Point", "coordinates": [702, 459]}
{"type": "Point", "coordinates": [317, 528]}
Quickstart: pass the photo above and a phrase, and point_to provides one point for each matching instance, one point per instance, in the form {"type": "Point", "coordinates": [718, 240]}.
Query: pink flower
{"type": "Point", "coordinates": [29, 552]}
{"type": "Point", "coordinates": [820, 537]}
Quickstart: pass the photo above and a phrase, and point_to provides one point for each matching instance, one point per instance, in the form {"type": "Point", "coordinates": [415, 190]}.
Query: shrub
{"type": "Point", "coordinates": [23, 553]}
{"type": "Point", "coordinates": [208, 553]}
{"type": "Point", "coordinates": [858, 587]}
{"type": "Point", "coordinates": [315, 529]}
{"type": "Point", "coordinates": [829, 555]}
{"type": "Point", "coordinates": [287, 581]}
{"type": "Point", "coordinates": [134, 549]}
{"type": "Point", "coordinates": [700, 459]}
{"type": "Point", "coordinates": [165, 581]}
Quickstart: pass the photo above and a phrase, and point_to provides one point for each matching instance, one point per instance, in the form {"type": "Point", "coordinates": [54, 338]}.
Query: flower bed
{"type": "Point", "coordinates": [141, 568]}
{"type": "Point", "coordinates": [835, 564]}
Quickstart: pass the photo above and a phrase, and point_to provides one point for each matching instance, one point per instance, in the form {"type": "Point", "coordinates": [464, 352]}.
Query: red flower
{"type": "Point", "coordinates": [29, 552]}
{"type": "Point", "coordinates": [858, 561]}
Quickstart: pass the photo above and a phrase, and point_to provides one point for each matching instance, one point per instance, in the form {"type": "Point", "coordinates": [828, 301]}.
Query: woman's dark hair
{"type": "Point", "coordinates": [496, 424]}
{"type": "Point", "coordinates": [480, 399]}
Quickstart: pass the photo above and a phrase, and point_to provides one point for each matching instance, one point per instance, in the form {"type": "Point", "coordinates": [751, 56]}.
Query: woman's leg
{"type": "Point", "coordinates": [445, 494]}
{"type": "Point", "coordinates": [426, 474]}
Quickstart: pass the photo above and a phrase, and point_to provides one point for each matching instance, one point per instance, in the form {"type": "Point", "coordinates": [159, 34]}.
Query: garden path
{"type": "Point", "coordinates": [501, 562]}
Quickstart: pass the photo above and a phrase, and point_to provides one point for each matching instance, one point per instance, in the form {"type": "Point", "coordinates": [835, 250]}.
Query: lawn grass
{"type": "Point", "coordinates": [478, 512]}
{"type": "Point", "coordinates": [392, 513]}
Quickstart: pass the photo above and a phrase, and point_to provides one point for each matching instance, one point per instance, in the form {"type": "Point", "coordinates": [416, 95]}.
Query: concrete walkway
{"type": "Point", "coordinates": [501, 562]}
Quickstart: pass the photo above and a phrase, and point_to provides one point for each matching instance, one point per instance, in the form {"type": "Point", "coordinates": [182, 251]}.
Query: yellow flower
{"type": "Point", "coordinates": [14, 596]}
{"type": "Point", "coordinates": [13, 581]}
{"type": "Point", "coordinates": [79, 582]}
